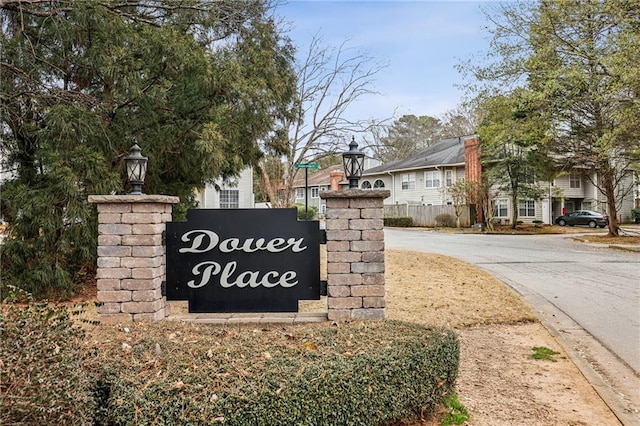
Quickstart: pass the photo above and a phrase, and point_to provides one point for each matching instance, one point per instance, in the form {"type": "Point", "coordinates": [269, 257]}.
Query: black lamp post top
{"type": "Point", "coordinates": [136, 168]}
{"type": "Point", "coordinates": [353, 163]}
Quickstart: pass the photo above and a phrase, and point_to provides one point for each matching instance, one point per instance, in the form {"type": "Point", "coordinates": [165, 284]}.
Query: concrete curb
{"type": "Point", "coordinates": [623, 396]}
{"type": "Point", "coordinates": [251, 318]}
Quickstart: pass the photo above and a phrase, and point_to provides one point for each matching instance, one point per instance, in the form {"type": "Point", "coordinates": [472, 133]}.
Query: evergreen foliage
{"type": "Point", "coordinates": [310, 213]}
{"type": "Point", "coordinates": [359, 373]}
{"type": "Point", "coordinates": [43, 380]}
{"type": "Point", "coordinates": [514, 145]}
{"type": "Point", "coordinates": [196, 84]}
{"type": "Point", "coordinates": [303, 376]}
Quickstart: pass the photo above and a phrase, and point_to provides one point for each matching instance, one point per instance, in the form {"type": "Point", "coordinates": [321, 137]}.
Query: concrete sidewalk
{"type": "Point", "coordinates": [615, 382]}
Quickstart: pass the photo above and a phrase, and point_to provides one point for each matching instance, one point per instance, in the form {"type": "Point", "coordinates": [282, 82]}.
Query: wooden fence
{"type": "Point", "coordinates": [426, 215]}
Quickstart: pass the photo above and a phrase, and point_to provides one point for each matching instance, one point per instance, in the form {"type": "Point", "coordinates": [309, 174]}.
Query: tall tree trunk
{"type": "Point", "coordinates": [268, 185]}
{"type": "Point", "coordinates": [612, 210]}
{"type": "Point", "coordinates": [514, 211]}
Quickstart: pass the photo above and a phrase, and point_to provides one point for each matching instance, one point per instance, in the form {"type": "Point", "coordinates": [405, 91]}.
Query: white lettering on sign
{"type": "Point", "coordinates": [247, 278]}
{"type": "Point", "coordinates": [205, 240]}
{"type": "Point", "coordinates": [206, 274]}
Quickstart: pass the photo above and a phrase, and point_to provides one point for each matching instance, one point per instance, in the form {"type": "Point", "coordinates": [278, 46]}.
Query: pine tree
{"type": "Point", "coordinates": [196, 84]}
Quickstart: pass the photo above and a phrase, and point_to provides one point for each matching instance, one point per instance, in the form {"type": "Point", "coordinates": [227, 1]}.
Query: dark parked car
{"type": "Point", "coordinates": [583, 217]}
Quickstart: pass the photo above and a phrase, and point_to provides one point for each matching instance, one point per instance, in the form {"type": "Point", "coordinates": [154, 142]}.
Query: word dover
{"type": "Point", "coordinates": [203, 241]}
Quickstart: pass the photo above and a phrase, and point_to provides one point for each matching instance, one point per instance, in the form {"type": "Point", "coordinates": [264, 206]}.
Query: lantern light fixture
{"type": "Point", "coordinates": [353, 161]}
{"type": "Point", "coordinates": [136, 169]}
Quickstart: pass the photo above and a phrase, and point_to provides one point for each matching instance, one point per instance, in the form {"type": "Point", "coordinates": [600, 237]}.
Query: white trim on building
{"type": "Point", "coordinates": [233, 193]}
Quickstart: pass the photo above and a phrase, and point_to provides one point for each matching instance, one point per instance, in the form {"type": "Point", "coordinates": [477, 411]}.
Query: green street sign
{"type": "Point", "coordinates": [306, 165]}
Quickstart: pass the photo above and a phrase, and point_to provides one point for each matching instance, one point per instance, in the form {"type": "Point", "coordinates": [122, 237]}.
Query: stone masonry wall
{"type": "Point", "coordinates": [355, 254]}
{"type": "Point", "coordinates": [131, 256]}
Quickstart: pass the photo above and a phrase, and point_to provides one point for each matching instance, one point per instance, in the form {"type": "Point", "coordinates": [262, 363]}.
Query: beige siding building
{"type": "Point", "coordinates": [423, 179]}
{"type": "Point", "coordinates": [233, 193]}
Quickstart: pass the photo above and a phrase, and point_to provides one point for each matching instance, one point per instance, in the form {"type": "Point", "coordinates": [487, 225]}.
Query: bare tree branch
{"type": "Point", "coordinates": [330, 81]}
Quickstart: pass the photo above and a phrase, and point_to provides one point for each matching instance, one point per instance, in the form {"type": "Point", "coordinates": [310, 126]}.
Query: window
{"type": "Point", "coordinates": [527, 208]}
{"type": "Point", "coordinates": [574, 180]}
{"type": "Point", "coordinates": [448, 177]}
{"type": "Point", "coordinates": [229, 199]}
{"type": "Point", "coordinates": [432, 179]}
{"type": "Point", "coordinates": [299, 193]}
{"type": "Point", "coordinates": [378, 183]}
{"type": "Point", "coordinates": [314, 192]}
{"type": "Point", "coordinates": [501, 208]}
{"type": "Point", "coordinates": [408, 181]}
{"type": "Point", "coordinates": [366, 184]}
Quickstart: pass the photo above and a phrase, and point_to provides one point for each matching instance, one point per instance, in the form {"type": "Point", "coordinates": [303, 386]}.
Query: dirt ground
{"type": "Point", "coordinates": [499, 382]}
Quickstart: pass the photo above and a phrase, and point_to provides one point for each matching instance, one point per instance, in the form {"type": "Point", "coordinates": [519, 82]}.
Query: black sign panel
{"type": "Point", "coordinates": [243, 260]}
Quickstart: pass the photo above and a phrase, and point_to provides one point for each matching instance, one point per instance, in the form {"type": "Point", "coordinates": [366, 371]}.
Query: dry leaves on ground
{"type": "Point", "coordinates": [498, 382]}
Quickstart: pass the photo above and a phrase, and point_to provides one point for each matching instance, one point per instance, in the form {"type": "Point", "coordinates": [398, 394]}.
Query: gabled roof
{"type": "Point", "coordinates": [447, 152]}
{"type": "Point", "coordinates": [319, 178]}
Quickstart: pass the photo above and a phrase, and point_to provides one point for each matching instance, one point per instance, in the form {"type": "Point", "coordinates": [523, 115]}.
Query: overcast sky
{"type": "Point", "coordinates": [421, 41]}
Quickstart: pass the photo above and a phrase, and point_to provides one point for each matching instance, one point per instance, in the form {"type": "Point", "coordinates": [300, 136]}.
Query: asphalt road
{"type": "Point", "coordinates": [597, 287]}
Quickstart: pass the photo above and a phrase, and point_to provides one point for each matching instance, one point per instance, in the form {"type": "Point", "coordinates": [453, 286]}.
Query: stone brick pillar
{"type": "Point", "coordinates": [355, 254]}
{"type": "Point", "coordinates": [131, 256]}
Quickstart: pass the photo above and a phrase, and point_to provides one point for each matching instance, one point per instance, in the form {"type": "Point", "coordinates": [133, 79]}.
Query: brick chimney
{"type": "Point", "coordinates": [473, 169]}
{"type": "Point", "coordinates": [472, 166]}
{"type": "Point", "coordinates": [336, 176]}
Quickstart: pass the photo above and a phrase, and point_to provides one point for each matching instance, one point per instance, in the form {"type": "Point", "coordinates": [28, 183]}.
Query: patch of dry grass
{"type": "Point", "coordinates": [605, 239]}
{"type": "Point", "coordinates": [438, 290]}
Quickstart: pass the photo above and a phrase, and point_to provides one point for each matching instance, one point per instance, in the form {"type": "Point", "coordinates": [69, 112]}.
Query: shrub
{"type": "Point", "coordinates": [401, 222]}
{"type": "Point", "coordinates": [53, 232]}
{"type": "Point", "coordinates": [445, 219]}
{"type": "Point", "coordinates": [635, 215]}
{"type": "Point", "coordinates": [312, 212]}
{"type": "Point", "coordinates": [170, 373]}
{"type": "Point", "coordinates": [361, 373]}
{"type": "Point", "coordinates": [42, 379]}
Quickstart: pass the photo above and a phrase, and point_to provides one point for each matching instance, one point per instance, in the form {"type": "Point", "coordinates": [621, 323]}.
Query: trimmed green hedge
{"type": "Point", "coordinates": [401, 222]}
{"type": "Point", "coordinates": [381, 384]}
{"type": "Point", "coordinates": [171, 373]}
{"type": "Point", "coordinates": [42, 378]}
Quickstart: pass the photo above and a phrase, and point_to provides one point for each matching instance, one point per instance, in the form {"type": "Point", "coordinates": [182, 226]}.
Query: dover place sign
{"type": "Point", "coordinates": [243, 260]}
